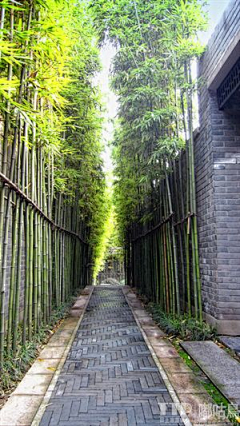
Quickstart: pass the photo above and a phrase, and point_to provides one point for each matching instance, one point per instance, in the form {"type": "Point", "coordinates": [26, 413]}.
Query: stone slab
{"type": "Point", "coordinates": [60, 341]}
{"type": "Point", "coordinates": [80, 303]}
{"type": "Point", "coordinates": [232, 343]}
{"type": "Point", "coordinates": [52, 352]}
{"type": "Point", "coordinates": [196, 405]}
{"type": "Point", "coordinates": [69, 323]}
{"type": "Point", "coordinates": [76, 313]}
{"type": "Point", "coordinates": [146, 322]}
{"type": "Point", "coordinates": [233, 393]}
{"type": "Point", "coordinates": [220, 367]}
{"type": "Point", "coordinates": [44, 366]}
{"type": "Point", "coordinates": [161, 341]}
{"type": "Point", "coordinates": [20, 410]}
{"type": "Point", "coordinates": [153, 332]}
{"type": "Point", "coordinates": [164, 351]}
{"type": "Point", "coordinates": [186, 383]}
{"type": "Point", "coordinates": [141, 313]}
{"type": "Point", "coordinates": [175, 365]}
{"type": "Point", "coordinates": [86, 291]}
{"type": "Point", "coordinates": [33, 384]}
{"type": "Point", "coordinates": [62, 333]}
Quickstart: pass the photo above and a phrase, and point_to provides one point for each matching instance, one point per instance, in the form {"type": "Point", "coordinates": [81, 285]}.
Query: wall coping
{"type": "Point", "coordinates": [225, 63]}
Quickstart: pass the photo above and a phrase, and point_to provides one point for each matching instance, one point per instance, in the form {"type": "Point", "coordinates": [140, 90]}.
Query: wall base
{"type": "Point", "coordinates": [224, 327]}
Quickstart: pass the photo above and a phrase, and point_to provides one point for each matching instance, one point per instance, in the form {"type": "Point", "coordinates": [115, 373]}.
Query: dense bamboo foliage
{"type": "Point", "coordinates": [52, 184]}
{"type": "Point", "coordinates": [156, 45]}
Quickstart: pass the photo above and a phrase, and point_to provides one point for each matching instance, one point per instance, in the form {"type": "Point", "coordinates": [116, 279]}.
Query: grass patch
{"type": "Point", "coordinates": [181, 326]}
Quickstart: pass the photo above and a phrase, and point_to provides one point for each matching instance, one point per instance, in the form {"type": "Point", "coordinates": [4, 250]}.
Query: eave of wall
{"type": "Point", "coordinates": [225, 64]}
{"type": "Point", "coordinates": [223, 48]}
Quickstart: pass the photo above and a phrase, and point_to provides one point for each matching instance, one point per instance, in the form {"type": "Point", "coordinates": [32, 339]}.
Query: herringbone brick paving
{"type": "Point", "coordinates": [109, 377]}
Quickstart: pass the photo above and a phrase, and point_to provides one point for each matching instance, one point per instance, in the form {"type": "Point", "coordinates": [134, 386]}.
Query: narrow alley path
{"type": "Point", "coordinates": [109, 377]}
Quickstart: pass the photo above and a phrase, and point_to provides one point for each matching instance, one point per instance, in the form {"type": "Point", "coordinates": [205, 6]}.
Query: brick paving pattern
{"type": "Point", "coordinates": [109, 377]}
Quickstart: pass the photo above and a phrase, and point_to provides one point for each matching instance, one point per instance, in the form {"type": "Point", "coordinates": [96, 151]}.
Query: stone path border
{"type": "Point", "coordinates": [222, 369]}
{"type": "Point", "coordinates": [179, 377]}
{"type": "Point", "coordinates": [33, 392]}
{"type": "Point", "coordinates": [232, 342]}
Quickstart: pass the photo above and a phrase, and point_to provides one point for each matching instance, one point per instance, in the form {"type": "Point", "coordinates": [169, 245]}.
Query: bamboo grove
{"type": "Point", "coordinates": [155, 192]}
{"type": "Point", "coordinates": [52, 184]}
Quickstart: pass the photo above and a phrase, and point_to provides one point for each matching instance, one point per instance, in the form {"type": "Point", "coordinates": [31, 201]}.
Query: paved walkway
{"type": "Point", "coordinates": [109, 377]}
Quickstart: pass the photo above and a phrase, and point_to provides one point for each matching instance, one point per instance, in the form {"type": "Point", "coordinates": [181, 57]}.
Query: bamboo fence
{"type": "Point", "coordinates": [43, 249]}
{"type": "Point", "coordinates": [161, 254]}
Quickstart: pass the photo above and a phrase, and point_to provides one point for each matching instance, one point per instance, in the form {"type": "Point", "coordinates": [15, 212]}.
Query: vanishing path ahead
{"type": "Point", "coordinates": [109, 377]}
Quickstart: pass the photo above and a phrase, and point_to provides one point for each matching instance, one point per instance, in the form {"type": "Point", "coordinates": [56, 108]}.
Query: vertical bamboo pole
{"type": "Point", "coordinates": [20, 244]}
{"type": "Point", "coordinates": [187, 225]}
{"type": "Point", "coordinates": [176, 289]}
{"type": "Point", "coordinates": [27, 240]}
{"type": "Point", "coordinates": [3, 192]}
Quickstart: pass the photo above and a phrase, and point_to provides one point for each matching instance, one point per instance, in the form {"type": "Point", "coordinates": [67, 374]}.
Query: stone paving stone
{"type": "Point", "coordinates": [52, 352]}
{"type": "Point", "coordinates": [33, 384]}
{"type": "Point", "coordinates": [220, 367]}
{"type": "Point", "coordinates": [44, 366]}
{"type": "Point", "coordinates": [20, 410]}
{"type": "Point", "coordinates": [232, 343]}
{"type": "Point", "coordinates": [109, 377]}
{"type": "Point", "coordinates": [198, 408]}
{"type": "Point", "coordinates": [164, 351]}
{"type": "Point", "coordinates": [175, 365]}
{"type": "Point", "coordinates": [186, 383]}
{"type": "Point", "coordinates": [60, 341]}
{"type": "Point", "coordinates": [68, 323]}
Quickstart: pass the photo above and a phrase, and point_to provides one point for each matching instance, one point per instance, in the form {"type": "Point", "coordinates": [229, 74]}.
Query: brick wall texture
{"type": "Point", "coordinates": [217, 157]}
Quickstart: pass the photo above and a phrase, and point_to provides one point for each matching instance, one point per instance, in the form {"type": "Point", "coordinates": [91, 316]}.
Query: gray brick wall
{"type": "Point", "coordinates": [217, 156]}
{"type": "Point", "coordinates": [221, 39]}
{"type": "Point", "coordinates": [206, 219]}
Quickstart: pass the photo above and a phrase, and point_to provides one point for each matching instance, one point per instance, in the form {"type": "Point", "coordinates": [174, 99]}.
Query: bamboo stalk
{"type": "Point", "coordinates": [7, 216]}
{"type": "Point", "coordinates": [166, 270]}
{"type": "Point", "coordinates": [13, 276]}
{"type": "Point", "coordinates": [182, 239]}
{"type": "Point", "coordinates": [20, 243]}
{"type": "Point", "coordinates": [187, 225]}
{"type": "Point", "coordinates": [31, 272]}
{"type": "Point", "coordinates": [176, 289]}
{"type": "Point", "coordinates": [50, 259]}
{"type": "Point", "coordinates": [27, 239]}
{"type": "Point", "coordinates": [3, 192]}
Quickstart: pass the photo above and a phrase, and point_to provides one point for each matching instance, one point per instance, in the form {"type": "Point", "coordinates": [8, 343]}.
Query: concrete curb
{"type": "Point", "coordinates": [27, 403]}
